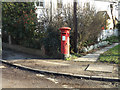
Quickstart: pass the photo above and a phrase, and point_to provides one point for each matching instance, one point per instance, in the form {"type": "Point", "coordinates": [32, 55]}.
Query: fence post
{"type": "Point", "coordinates": [9, 39]}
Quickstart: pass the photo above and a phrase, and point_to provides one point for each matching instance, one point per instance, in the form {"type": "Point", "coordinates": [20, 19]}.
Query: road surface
{"type": "Point", "coordinates": [16, 78]}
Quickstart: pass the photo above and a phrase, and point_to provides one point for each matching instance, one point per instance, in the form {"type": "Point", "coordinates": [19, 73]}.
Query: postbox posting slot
{"type": "Point", "coordinates": [63, 33]}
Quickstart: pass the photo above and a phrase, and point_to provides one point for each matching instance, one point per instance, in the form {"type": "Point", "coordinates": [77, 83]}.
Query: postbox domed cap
{"type": "Point", "coordinates": [65, 28]}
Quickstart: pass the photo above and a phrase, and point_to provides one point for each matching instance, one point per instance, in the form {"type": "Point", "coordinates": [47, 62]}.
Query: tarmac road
{"type": "Point", "coordinates": [16, 78]}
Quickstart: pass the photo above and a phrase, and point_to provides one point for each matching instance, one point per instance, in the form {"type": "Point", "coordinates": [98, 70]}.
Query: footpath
{"type": "Point", "coordinates": [84, 67]}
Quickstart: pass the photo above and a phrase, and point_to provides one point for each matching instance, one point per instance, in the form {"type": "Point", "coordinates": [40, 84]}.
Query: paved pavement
{"type": "Point", "coordinates": [100, 68]}
{"type": "Point", "coordinates": [94, 56]}
{"type": "Point", "coordinates": [88, 68]}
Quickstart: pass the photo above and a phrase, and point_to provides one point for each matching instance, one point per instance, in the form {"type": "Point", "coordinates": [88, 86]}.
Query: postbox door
{"type": "Point", "coordinates": [64, 44]}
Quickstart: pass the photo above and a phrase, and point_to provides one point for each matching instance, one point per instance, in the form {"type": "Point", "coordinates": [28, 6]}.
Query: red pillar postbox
{"type": "Point", "coordinates": [65, 41]}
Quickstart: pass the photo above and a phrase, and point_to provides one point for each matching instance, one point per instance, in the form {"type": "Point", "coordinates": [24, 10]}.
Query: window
{"type": "Point", "coordinates": [37, 3]}
{"type": "Point", "coordinates": [111, 6]}
{"type": "Point", "coordinates": [40, 3]}
{"type": "Point", "coordinates": [59, 3]}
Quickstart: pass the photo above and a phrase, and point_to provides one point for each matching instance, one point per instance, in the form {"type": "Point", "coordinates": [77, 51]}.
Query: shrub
{"type": "Point", "coordinates": [19, 21]}
{"type": "Point", "coordinates": [51, 41]}
{"type": "Point", "coordinates": [118, 25]}
{"type": "Point", "coordinates": [113, 39]}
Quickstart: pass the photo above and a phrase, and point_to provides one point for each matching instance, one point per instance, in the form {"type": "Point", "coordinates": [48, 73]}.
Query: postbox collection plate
{"type": "Point", "coordinates": [63, 38]}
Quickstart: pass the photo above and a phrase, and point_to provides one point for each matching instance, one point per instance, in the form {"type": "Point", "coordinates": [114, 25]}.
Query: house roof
{"type": "Point", "coordinates": [107, 0]}
{"type": "Point", "coordinates": [103, 13]}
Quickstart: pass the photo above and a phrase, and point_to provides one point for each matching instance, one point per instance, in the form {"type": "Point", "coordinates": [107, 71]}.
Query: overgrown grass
{"type": "Point", "coordinates": [111, 56]}
{"type": "Point", "coordinates": [74, 56]}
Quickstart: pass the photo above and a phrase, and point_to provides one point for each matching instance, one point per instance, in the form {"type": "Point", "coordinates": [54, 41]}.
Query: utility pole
{"type": "Point", "coordinates": [50, 10]}
{"type": "Point", "coordinates": [75, 26]}
{"type": "Point", "coordinates": [111, 7]}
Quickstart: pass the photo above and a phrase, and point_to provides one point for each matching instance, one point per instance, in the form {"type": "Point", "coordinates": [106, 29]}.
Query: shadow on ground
{"type": "Point", "coordinates": [8, 54]}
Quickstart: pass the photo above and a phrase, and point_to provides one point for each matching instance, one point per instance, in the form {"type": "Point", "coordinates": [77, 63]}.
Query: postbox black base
{"type": "Point", "coordinates": [65, 56]}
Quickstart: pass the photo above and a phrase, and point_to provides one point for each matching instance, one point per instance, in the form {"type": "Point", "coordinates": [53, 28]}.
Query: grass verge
{"type": "Point", "coordinates": [111, 56]}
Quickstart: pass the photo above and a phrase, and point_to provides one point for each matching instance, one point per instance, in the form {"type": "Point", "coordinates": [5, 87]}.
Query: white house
{"type": "Point", "coordinates": [107, 5]}
{"type": "Point", "coordinates": [118, 10]}
{"type": "Point", "coordinates": [100, 5]}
